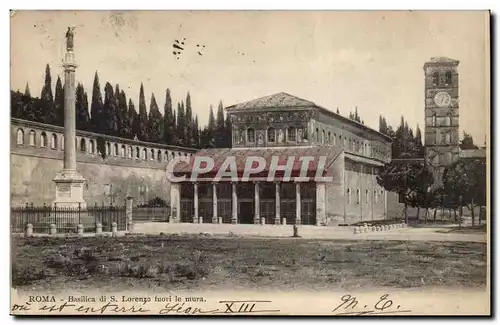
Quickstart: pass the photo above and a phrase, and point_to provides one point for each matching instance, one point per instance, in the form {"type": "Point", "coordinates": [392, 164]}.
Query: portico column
{"type": "Point", "coordinates": [256, 218]}
{"type": "Point", "coordinates": [297, 199]}
{"type": "Point", "coordinates": [195, 202]}
{"type": "Point", "coordinates": [214, 203]}
{"type": "Point", "coordinates": [385, 203]}
{"type": "Point", "coordinates": [277, 217]}
{"type": "Point", "coordinates": [234, 216]}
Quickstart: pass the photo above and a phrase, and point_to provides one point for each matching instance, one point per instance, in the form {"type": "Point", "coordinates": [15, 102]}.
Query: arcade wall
{"type": "Point", "coordinates": [129, 168]}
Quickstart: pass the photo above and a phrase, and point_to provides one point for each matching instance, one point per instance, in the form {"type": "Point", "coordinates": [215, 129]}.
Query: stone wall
{"type": "Point", "coordinates": [129, 168]}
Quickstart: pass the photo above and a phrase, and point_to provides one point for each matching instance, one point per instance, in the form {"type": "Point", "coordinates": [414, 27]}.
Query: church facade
{"type": "Point", "coordinates": [282, 130]}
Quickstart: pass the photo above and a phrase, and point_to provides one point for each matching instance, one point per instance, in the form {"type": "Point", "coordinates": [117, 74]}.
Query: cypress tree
{"type": "Point", "coordinates": [143, 117]}
{"type": "Point", "coordinates": [81, 107]}
{"type": "Point", "coordinates": [124, 128]}
{"type": "Point", "coordinates": [155, 121]}
{"type": "Point", "coordinates": [27, 91]}
{"type": "Point", "coordinates": [109, 111]}
{"type": "Point", "coordinates": [169, 136]}
{"type": "Point", "coordinates": [220, 128]}
{"type": "Point", "coordinates": [96, 107]}
{"type": "Point", "coordinates": [227, 132]}
{"type": "Point", "coordinates": [181, 125]}
{"type": "Point", "coordinates": [190, 141]}
{"type": "Point", "coordinates": [47, 101]}
{"type": "Point", "coordinates": [133, 120]}
{"type": "Point", "coordinates": [59, 103]}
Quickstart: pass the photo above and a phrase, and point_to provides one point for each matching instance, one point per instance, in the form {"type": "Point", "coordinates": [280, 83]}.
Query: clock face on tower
{"type": "Point", "coordinates": [442, 99]}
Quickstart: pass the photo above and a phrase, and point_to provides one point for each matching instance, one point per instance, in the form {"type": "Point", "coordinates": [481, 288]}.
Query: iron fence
{"type": "Point", "coordinates": [151, 212]}
{"type": "Point", "coordinates": [66, 220]}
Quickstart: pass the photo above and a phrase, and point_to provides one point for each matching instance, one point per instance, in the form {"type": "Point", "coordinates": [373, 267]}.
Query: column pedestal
{"type": "Point", "coordinates": [69, 190]}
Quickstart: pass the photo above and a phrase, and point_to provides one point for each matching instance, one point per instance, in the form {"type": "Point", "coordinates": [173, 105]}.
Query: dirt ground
{"type": "Point", "coordinates": [205, 262]}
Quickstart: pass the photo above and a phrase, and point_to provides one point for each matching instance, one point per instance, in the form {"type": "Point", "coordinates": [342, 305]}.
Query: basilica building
{"type": "Point", "coordinates": [281, 125]}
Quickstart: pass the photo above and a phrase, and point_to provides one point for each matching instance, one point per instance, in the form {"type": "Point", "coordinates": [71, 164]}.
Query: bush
{"type": "Point", "coordinates": [23, 275]}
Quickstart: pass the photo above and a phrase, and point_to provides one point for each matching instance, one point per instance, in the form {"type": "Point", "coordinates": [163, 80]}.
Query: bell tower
{"type": "Point", "coordinates": [441, 114]}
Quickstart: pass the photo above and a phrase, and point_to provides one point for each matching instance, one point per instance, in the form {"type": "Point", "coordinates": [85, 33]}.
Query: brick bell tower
{"type": "Point", "coordinates": [441, 114]}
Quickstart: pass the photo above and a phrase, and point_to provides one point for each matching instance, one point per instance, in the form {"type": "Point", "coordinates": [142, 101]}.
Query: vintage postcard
{"type": "Point", "coordinates": [250, 163]}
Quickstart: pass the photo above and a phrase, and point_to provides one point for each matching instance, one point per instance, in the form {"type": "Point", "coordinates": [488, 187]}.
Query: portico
{"type": "Point", "coordinates": [281, 199]}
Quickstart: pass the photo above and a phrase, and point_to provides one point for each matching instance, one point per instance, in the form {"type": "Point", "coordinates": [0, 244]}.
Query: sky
{"type": "Point", "coordinates": [372, 60]}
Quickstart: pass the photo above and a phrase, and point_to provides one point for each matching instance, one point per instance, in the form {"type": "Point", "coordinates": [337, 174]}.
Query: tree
{"type": "Point", "coordinates": [220, 128]}
{"type": "Point", "coordinates": [467, 142]}
{"type": "Point", "coordinates": [124, 126]}
{"type": "Point", "coordinates": [410, 180]}
{"type": "Point", "coordinates": [190, 141]}
{"type": "Point", "coordinates": [47, 100]}
{"type": "Point", "coordinates": [109, 111]}
{"type": "Point", "coordinates": [143, 117]}
{"type": "Point", "coordinates": [419, 147]}
{"type": "Point", "coordinates": [169, 136]}
{"type": "Point", "coordinates": [196, 133]}
{"type": "Point", "coordinates": [82, 110]}
{"type": "Point", "coordinates": [27, 91]}
{"type": "Point", "coordinates": [155, 121]}
{"type": "Point", "coordinates": [181, 125]}
{"type": "Point", "coordinates": [338, 112]}
{"type": "Point", "coordinates": [465, 180]}
{"type": "Point", "coordinates": [59, 104]}
{"type": "Point", "coordinates": [96, 107]}
{"type": "Point", "coordinates": [227, 132]}
{"type": "Point", "coordinates": [133, 120]}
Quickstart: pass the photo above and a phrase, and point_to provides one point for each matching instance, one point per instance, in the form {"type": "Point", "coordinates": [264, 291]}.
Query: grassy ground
{"type": "Point", "coordinates": [186, 262]}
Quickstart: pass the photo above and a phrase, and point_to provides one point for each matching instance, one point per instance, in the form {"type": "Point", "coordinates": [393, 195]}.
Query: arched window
{"type": "Point", "coordinates": [271, 135]}
{"type": "Point", "coordinates": [447, 120]}
{"type": "Point", "coordinates": [435, 78]}
{"type": "Point", "coordinates": [434, 120]}
{"type": "Point", "coordinates": [366, 196]}
{"type": "Point", "coordinates": [116, 150]}
{"type": "Point", "coordinates": [122, 153]}
{"type": "Point", "coordinates": [129, 154]}
{"type": "Point", "coordinates": [323, 136]}
{"type": "Point", "coordinates": [137, 153]}
{"type": "Point", "coordinates": [448, 138]}
{"type": "Point", "coordinates": [53, 141]}
{"type": "Point", "coordinates": [173, 155]}
{"type": "Point", "coordinates": [251, 135]}
{"type": "Point", "coordinates": [92, 146]}
{"type": "Point", "coordinates": [144, 154]}
{"type": "Point", "coordinates": [166, 156]}
{"type": "Point", "coordinates": [152, 157]}
{"type": "Point", "coordinates": [20, 136]}
{"type": "Point", "coordinates": [329, 141]}
{"type": "Point", "coordinates": [317, 135]}
{"type": "Point", "coordinates": [32, 138]}
{"type": "Point", "coordinates": [358, 196]}
{"type": "Point", "coordinates": [291, 134]}
{"type": "Point", "coordinates": [335, 139]}
{"type": "Point", "coordinates": [108, 148]}
{"type": "Point", "coordinates": [348, 196]}
{"type": "Point", "coordinates": [448, 78]}
{"type": "Point", "coordinates": [159, 155]}
{"type": "Point", "coordinates": [43, 140]}
{"type": "Point", "coordinates": [83, 146]}
{"type": "Point", "coordinates": [375, 196]}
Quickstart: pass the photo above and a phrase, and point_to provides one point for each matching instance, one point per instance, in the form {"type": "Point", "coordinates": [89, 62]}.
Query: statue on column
{"type": "Point", "coordinates": [69, 39]}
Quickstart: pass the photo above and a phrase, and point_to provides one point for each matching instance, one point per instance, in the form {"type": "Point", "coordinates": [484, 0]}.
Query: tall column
{"type": "Point", "coordinates": [214, 203]}
{"type": "Point", "coordinates": [195, 202]}
{"type": "Point", "coordinates": [69, 183]}
{"type": "Point", "coordinates": [297, 198]}
{"type": "Point", "coordinates": [234, 216]}
{"type": "Point", "coordinates": [320, 204]}
{"type": "Point", "coordinates": [385, 203]}
{"type": "Point", "coordinates": [277, 201]}
{"type": "Point", "coordinates": [256, 218]}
